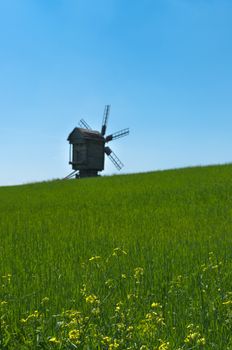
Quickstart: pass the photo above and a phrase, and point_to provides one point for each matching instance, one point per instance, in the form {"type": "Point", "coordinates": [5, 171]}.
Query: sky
{"type": "Point", "coordinates": [164, 66]}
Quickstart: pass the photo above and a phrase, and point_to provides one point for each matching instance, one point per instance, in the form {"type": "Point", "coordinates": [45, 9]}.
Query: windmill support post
{"type": "Point", "coordinates": [87, 173]}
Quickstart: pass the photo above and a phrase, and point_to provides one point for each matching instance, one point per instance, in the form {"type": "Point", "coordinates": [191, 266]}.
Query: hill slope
{"type": "Point", "coordinates": [145, 259]}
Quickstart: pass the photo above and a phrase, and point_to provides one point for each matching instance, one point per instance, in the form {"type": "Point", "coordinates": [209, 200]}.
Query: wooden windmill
{"type": "Point", "coordinates": [88, 148]}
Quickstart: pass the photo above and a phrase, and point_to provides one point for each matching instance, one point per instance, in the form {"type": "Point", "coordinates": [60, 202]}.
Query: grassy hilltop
{"type": "Point", "coordinates": [124, 262]}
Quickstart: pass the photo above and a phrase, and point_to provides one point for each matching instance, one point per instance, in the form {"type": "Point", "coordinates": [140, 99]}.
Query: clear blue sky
{"type": "Point", "coordinates": [165, 66]}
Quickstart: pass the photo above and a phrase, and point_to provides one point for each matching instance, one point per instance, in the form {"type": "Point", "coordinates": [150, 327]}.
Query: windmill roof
{"type": "Point", "coordinates": [85, 133]}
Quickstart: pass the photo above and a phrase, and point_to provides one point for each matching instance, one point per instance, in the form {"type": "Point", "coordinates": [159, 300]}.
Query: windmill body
{"type": "Point", "coordinates": [88, 148]}
{"type": "Point", "coordinates": [86, 151]}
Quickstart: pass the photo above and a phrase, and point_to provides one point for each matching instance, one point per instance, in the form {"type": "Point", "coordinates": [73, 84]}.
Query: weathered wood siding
{"type": "Point", "coordinates": [79, 155]}
{"type": "Point", "coordinates": [95, 154]}
{"type": "Point", "coordinates": [88, 154]}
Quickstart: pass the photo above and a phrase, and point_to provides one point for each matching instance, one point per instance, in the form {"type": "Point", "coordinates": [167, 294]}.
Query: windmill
{"type": "Point", "coordinates": [88, 148]}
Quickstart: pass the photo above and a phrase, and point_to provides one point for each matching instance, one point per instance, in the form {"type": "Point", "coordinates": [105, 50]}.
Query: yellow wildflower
{"type": "Point", "coordinates": [114, 345]}
{"type": "Point", "coordinates": [44, 300]}
{"type": "Point", "coordinates": [74, 334]}
{"type": "Point", "coordinates": [96, 311]}
{"type": "Point", "coordinates": [54, 340]}
{"type": "Point", "coordinates": [119, 251]}
{"type": "Point", "coordinates": [3, 302]}
{"type": "Point", "coordinates": [106, 340]}
{"type": "Point", "coordinates": [138, 272]}
{"type": "Point", "coordinates": [191, 337]}
{"type": "Point", "coordinates": [201, 341]}
{"type": "Point", "coordinates": [120, 326]}
{"type": "Point", "coordinates": [93, 258]}
{"type": "Point", "coordinates": [164, 345]}
{"type": "Point", "coordinates": [154, 305]}
{"type": "Point", "coordinates": [91, 299]}
{"type": "Point", "coordinates": [110, 283]}
{"type": "Point", "coordinates": [23, 320]}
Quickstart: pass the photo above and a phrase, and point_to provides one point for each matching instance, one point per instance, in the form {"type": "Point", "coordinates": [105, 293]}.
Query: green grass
{"type": "Point", "coordinates": [175, 225]}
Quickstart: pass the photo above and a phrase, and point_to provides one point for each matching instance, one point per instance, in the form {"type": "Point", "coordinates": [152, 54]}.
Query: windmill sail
{"type": "Point", "coordinates": [105, 119]}
{"type": "Point", "coordinates": [114, 159]}
{"type": "Point", "coordinates": [117, 135]}
{"type": "Point", "coordinates": [84, 125]}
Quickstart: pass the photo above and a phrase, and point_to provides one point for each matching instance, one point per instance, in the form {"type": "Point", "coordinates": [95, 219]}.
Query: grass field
{"type": "Point", "coordinates": [138, 262]}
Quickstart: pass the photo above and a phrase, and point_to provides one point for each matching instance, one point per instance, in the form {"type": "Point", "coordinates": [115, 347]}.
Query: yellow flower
{"type": "Point", "coordinates": [190, 326]}
{"type": "Point", "coordinates": [106, 340]}
{"type": "Point", "coordinates": [93, 258]}
{"type": "Point", "coordinates": [114, 345]}
{"type": "Point", "coordinates": [201, 341]}
{"type": "Point", "coordinates": [149, 316]}
{"type": "Point", "coordinates": [8, 276]}
{"type": "Point", "coordinates": [3, 302]}
{"type": "Point", "coordinates": [96, 311]}
{"type": "Point", "coordinates": [154, 305]}
{"type": "Point", "coordinates": [119, 251]}
{"type": "Point", "coordinates": [191, 337]}
{"type": "Point", "coordinates": [92, 299]}
{"type": "Point", "coordinates": [110, 283]}
{"type": "Point", "coordinates": [120, 326]}
{"type": "Point", "coordinates": [54, 340]}
{"type": "Point", "coordinates": [34, 315]}
{"type": "Point", "coordinates": [74, 334]}
{"type": "Point", "coordinates": [23, 320]}
{"type": "Point", "coordinates": [138, 273]}
{"type": "Point", "coordinates": [44, 300]}
{"type": "Point", "coordinates": [118, 306]}
{"type": "Point", "coordinates": [164, 345]}
{"type": "Point", "coordinates": [160, 320]}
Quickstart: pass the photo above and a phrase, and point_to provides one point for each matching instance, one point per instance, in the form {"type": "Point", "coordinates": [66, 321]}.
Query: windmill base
{"type": "Point", "coordinates": [87, 173]}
